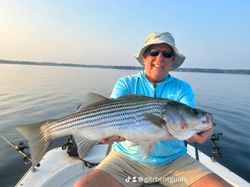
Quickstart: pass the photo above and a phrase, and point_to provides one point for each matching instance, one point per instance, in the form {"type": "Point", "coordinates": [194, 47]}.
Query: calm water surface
{"type": "Point", "coordinates": [35, 93]}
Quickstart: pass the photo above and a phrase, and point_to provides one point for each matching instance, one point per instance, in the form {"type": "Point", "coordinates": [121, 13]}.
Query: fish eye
{"type": "Point", "coordinates": [195, 111]}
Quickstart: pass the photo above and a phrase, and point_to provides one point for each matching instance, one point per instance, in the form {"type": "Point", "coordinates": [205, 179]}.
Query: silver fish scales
{"type": "Point", "coordinates": [128, 116]}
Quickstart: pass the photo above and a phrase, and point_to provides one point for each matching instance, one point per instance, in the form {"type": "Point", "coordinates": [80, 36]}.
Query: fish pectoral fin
{"type": "Point", "coordinates": [83, 145]}
{"type": "Point", "coordinates": [156, 120]}
{"type": "Point", "coordinates": [92, 99]}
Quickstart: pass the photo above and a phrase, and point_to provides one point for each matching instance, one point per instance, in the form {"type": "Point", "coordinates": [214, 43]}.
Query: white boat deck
{"type": "Point", "coordinates": [58, 169]}
{"type": "Point", "coordinates": [219, 169]}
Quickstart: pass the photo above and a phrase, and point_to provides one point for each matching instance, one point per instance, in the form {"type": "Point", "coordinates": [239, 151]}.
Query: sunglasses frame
{"type": "Point", "coordinates": [165, 54]}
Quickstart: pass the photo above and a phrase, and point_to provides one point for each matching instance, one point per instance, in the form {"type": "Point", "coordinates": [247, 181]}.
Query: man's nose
{"type": "Point", "coordinates": [160, 57]}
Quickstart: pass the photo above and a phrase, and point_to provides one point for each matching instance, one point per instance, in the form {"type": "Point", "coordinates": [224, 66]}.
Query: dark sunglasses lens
{"type": "Point", "coordinates": [153, 53]}
{"type": "Point", "coordinates": [167, 54]}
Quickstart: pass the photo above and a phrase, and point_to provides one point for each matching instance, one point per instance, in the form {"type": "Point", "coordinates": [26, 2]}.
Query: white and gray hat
{"type": "Point", "coordinates": [159, 38]}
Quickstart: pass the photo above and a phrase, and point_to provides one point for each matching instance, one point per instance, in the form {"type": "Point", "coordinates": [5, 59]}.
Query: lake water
{"type": "Point", "coordinates": [35, 93]}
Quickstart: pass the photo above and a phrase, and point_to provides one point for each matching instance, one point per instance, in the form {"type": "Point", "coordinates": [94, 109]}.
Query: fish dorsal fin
{"type": "Point", "coordinates": [156, 120]}
{"type": "Point", "coordinates": [133, 97]}
{"type": "Point", "coordinates": [92, 99]}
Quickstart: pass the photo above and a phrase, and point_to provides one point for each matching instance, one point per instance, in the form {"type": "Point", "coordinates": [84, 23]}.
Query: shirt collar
{"type": "Point", "coordinates": [142, 76]}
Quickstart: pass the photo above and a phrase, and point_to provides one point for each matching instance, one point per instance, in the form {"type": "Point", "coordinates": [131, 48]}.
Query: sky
{"type": "Point", "coordinates": [211, 34]}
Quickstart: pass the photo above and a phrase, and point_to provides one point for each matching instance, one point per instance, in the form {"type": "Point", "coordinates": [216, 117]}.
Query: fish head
{"type": "Point", "coordinates": [183, 121]}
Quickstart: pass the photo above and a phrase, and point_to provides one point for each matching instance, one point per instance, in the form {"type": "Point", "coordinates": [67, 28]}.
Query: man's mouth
{"type": "Point", "coordinates": [157, 66]}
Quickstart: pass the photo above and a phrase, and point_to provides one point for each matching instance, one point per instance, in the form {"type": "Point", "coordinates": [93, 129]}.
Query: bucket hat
{"type": "Point", "coordinates": [159, 38]}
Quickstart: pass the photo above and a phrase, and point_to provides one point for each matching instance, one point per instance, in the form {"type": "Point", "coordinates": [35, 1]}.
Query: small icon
{"type": "Point", "coordinates": [140, 179]}
{"type": "Point", "coordinates": [127, 180]}
{"type": "Point", "coordinates": [134, 179]}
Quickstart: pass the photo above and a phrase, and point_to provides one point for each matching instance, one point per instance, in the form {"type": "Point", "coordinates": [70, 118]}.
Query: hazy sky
{"type": "Point", "coordinates": [211, 34]}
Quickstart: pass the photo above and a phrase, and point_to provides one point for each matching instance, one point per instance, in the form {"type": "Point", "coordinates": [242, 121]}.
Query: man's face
{"type": "Point", "coordinates": [157, 62]}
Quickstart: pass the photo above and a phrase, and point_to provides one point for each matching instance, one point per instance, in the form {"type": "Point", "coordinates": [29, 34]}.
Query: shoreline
{"type": "Point", "coordinates": [200, 70]}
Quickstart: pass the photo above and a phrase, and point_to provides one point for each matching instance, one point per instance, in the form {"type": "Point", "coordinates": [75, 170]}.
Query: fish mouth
{"type": "Point", "coordinates": [206, 122]}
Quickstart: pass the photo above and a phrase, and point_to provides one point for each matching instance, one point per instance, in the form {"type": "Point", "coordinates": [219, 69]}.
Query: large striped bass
{"type": "Point", "coordinates": [139, 119]}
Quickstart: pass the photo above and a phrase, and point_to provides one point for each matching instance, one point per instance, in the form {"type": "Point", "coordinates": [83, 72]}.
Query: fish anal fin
{"type": "Point", "coordinates": [156, 120]}
{"type": "Point", "coordinates": [83, 145]}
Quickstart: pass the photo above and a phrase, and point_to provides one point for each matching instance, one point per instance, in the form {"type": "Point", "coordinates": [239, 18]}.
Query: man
{"type": "Point", "coordinates": [126, 165]}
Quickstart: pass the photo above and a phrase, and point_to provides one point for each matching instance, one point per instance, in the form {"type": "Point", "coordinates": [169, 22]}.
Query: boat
{"type": "Point", "coordinates": [57, 168]}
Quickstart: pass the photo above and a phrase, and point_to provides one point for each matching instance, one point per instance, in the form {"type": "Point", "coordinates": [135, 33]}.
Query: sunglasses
{"type": "Point", "coordinates": [165, 54]}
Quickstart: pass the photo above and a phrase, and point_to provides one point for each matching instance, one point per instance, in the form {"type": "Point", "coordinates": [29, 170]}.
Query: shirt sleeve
{"type": "Point", "coordinates": [121, 88]}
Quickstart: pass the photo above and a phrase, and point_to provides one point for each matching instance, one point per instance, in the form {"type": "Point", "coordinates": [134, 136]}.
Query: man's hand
{"type": "Point", "coordinates": [201, 137]}
{"type": "Point", "coordinates": [112, 139]}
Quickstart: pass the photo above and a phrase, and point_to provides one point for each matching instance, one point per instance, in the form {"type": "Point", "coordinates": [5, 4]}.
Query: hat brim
{"type": "Point", "coordinates": [179, 58]}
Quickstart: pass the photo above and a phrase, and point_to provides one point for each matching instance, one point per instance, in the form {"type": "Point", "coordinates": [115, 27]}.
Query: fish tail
{"type": "Point", "coordinates": [39, 139]}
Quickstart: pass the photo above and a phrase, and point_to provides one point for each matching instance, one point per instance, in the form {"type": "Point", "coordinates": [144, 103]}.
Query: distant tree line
{"type": "Point", "coordinates": [201, 70]}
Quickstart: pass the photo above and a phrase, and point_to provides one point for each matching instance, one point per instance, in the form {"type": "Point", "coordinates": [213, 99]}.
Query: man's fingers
{"type": "Point", "coordinates": [112, 139]}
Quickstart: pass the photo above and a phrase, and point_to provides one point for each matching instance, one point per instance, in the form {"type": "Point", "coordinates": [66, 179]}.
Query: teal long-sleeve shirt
{"type": "Point", "coordinates": [163, 151]}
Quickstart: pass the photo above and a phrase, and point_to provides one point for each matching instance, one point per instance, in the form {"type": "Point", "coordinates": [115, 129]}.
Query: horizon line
{"type": "Point", "coordinates": [208, 70]}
